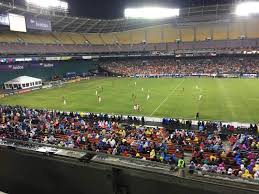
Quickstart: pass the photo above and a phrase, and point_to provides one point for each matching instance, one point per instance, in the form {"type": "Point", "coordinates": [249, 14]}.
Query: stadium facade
{"type": "Point", "coordinates": [212, 27]}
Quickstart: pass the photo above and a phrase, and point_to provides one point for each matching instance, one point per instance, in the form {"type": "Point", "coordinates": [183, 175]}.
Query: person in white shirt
{"type": "Point", "coordinates": [135, 107]}
{"type": "Point", "coordinates": [148, 97]}
{"type": "Point", "coordinates": [99, 99]}
{"type": "Point", "coordinates": [112, 143]}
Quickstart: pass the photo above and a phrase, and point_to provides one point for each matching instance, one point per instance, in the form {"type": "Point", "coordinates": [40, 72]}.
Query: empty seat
{"type": "Point", "coordinates": [123, 37]}
{"type": "Point", "coordinates": [236, 30]}
{"type": "Point", "coordinates": [203, 32]}
{"type": "Point", "coordinates": [252, 29]}
{"type": "Point", "coordinates": [137, 36]}
{"type": "Point", "coordinates": [220, 32]}
{"type": "Point", "coordinates": [187, 34]}
{"type": "Point", "coordinates": [94, 38]}
{"type": "Point", "coordinates": [154, 35]}
{"type": "Point", "coordinates": [170, 34]}
{"type": "Point", "coordinates": [108, 38]}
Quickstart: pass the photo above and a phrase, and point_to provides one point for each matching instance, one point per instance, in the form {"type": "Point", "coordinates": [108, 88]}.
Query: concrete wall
{"type": "Point", "coordinates": [24, 172]}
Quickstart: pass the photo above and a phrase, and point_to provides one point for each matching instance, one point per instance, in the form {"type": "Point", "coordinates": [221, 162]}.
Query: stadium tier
{"type": "Point", "coordinates": [207, 66]}
{"type": "Point", "coordinates": [158, 38]}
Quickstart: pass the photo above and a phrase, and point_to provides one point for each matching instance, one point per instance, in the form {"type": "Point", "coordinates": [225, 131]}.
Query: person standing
{"type": "Point", "coordinates": [197, 116]}
{"type": "Point", "coordinates": [99, 99]}
{"type": "Point", "coordinates": [181, 166]}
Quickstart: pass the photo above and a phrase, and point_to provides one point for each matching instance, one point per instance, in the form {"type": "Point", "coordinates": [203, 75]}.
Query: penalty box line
{"type": "Point", "coordinates": [166, 98]}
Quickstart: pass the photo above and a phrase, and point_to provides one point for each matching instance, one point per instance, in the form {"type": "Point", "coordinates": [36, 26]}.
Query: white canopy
{"type": "Point", "coordinates": [23, 82]}
{"type": "Point", "coordinates": [23, 79]}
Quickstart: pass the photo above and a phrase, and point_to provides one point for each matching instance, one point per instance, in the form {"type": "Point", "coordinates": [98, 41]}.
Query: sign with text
{"type": "Point", "coordinates": [38, 24]}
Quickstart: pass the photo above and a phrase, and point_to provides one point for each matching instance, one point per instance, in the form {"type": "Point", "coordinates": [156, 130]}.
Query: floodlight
{"type": "Point", "coordinates": [48, 4]}
{"type": "Point", "coordinates": [151, 13]}
{"type": "Point", "coordinates": [247, 8]}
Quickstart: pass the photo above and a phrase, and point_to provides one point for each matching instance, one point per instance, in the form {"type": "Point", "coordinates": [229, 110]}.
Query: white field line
{"type": "Point", "coordinates": [166, 98]}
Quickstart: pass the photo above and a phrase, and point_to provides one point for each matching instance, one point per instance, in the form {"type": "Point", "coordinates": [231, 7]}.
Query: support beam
{"type": "Point", "coordinates": [79, 26]}
{"type": "Point", "coordinates": [65, 26]}
{"type": "Point", "coordinates": [101, 29]}
{"type": "Point", "coordinates": [60, 20]}
{"type": "Point", "coordinates": [92, 26]}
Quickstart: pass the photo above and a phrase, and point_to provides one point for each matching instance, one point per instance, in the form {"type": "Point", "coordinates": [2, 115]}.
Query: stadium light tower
{"type": "Point", "coordinates": [48, 5]}
{"type": "Point", "coordinates": [150, 13]}
{"type": "Point", "coordinates": [247, 8]}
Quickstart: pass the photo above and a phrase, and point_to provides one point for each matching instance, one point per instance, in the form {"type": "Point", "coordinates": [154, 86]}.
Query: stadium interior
{"type": "Point", "coordinates": [137, 105]}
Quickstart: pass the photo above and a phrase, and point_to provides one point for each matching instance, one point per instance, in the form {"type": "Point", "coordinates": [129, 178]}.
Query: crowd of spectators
{"type": "Point", "coordinates": [90, 132]}
{"type": "Point", "coordinates": [238, 156]}
{"type": "Point", "coordinates": [234, 154]}
{"type": "Point", "coordinates": [158, 66]}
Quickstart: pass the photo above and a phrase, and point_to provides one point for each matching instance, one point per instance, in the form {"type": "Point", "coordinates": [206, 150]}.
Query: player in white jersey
{"type": "Point", "coordinates": [148, 97]}
{"type": "Point", "coordinates": [200, 97]}
{"type": "Point", "coordinates": [99, 99]}
{"type": "Point", "coordinates": [135, 107]}
{"type": "Point", "coordinates": [64, 100]}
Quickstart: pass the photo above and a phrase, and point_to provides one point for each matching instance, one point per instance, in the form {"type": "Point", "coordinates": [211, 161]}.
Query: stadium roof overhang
{"type": "Point", "coordinates": [61, 23]}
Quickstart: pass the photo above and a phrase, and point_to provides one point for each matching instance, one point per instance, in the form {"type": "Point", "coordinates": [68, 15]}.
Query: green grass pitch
{"type": "Point", "coordinates": [215, 99]}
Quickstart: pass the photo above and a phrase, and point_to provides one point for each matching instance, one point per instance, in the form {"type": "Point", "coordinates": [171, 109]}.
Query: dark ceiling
{"type": "Point", "coordinates": [111, 9]}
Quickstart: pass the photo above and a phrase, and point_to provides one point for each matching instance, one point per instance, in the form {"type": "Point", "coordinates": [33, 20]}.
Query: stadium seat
{"type": "Point", "coordinates": [154, 35]}
{"type": "Point", "coordinates": [220, 32]}
{"type": "Point", "coordinates": [78, 38]}
{"type": "Point", "coordinates": [63, 38]}
{"type": "Point", "coordinates": [236, 30]}
{"type": "Point", "coordinates": [123, 37]}
{"type": "Point", "coordinates": [30, 38]}
{"type": "Point", "coordinates": [94, 38]}
{"type": "Point", "coordinates": [187, 34]}
{"type": "Point", "coordinates": [170, 34]}
{"type": "Point", "coordinates": [108, 38]}
{"type": "Point", "coordinates": [138, 36]}
{"type": "Point", "coordinates": [9, 37]}
{"type": "Point", "coordinates": [47, 38]}
{"type": "Point", "coordinates": [252, 29]}
{"type": "Point", "coordinates": [203, 32]}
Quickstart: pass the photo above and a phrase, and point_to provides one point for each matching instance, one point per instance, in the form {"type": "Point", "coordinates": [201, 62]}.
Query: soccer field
{"type": "Point", "coordinates": [214, 99]}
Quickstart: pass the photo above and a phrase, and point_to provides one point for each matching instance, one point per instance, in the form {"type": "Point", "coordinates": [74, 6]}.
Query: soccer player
{"type": "Point", "coordinates": [200, 97]}
{"type": "Point", "coordinates": [99, 99]}
{"type": "Point", "coordinates": [134, 97]}
{"type": "Point", "coordinates": [138, 108]}
{"type": "Point", "coordinates": [135, 107]}
{"type": "Point", "coordinates": [64, 100]}
{"type": "Point", "coordinates": [148, 97]}
{"type": "Point", "coordinates": [197, 116]}
{"type": "Point", "coordinates": [142, 89]}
